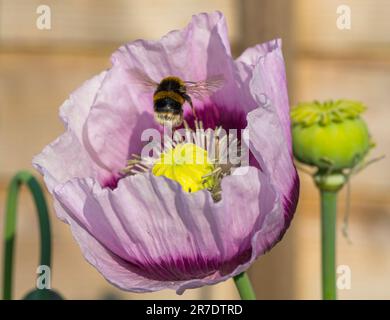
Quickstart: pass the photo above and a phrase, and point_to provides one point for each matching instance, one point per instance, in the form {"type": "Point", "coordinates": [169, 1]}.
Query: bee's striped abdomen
{"type": "Point", "coordinates": [168, 95]}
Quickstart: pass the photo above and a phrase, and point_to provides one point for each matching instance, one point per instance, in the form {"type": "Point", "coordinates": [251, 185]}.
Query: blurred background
{"type": "Point", "coordinates": [39, 68]}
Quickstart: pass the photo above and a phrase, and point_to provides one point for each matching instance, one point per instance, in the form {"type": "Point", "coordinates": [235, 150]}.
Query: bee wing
{"type": "Point", "coordinates": [143, 79]}
{"type": "Point", "coordinates": [204, 88]}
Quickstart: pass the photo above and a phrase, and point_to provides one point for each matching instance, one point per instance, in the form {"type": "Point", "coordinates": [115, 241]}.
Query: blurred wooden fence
{"type": "Point", "coordinates": [39, 68]}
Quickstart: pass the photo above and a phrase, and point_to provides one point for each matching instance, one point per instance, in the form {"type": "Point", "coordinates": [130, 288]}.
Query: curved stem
{"type": "Point", "coordinates": [244, 287]}
{"type": "Point", "coordinates": [328, 237]}
{"type": "Point", "coordinates": [18, 180]}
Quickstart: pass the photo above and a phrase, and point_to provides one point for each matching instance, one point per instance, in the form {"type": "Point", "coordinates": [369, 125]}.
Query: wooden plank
{"type": "Point", "coordinates": [89, 23]}
{"type": "Point", "coordinates": [316, 28]}
{"type": "Point", "coordinates": [368, 256]}
{"type": "Point", "coordinates": [32, 87]}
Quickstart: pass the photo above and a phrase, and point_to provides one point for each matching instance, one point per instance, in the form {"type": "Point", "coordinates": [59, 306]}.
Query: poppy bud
{"type": "Point", "coordinates": [330, 135]}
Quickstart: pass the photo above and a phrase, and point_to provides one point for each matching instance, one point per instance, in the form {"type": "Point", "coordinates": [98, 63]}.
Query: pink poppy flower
{"type": "Point", "coordinates": [143, 232]}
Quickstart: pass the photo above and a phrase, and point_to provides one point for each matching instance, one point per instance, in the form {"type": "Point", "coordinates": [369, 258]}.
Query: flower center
{"type": "Point", "coordinates": [196, 159]}
{"type": "Point", "coordinates": [187, 164]}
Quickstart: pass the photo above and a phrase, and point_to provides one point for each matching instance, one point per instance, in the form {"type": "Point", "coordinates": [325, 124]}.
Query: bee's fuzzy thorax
{"type": "Point", "coordinates": [173, 79]}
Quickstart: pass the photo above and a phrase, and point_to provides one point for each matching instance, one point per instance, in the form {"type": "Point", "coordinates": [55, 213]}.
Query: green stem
{"type": "Point", "coordinates": [244, 287]}
{"type": "Point", "coordinates": [328, 235]}
{"type": "Point", "coordinates": [18, 180]}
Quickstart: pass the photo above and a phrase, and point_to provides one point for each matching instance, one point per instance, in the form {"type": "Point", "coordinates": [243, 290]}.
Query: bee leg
{"type": "Point", "coordinates": [189, 100]}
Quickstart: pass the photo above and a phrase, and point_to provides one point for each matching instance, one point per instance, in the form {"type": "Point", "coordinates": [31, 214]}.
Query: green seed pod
{"type": "Point", "coordinates": [330, 134]}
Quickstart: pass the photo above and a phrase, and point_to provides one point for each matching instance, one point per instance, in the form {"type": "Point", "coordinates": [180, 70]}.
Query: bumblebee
{"type": "Point", "coordinates": [171, 93]}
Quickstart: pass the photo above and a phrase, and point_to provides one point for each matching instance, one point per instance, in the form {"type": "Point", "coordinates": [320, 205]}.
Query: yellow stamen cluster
{"type": "Point", "coordinates": [187, 164]}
